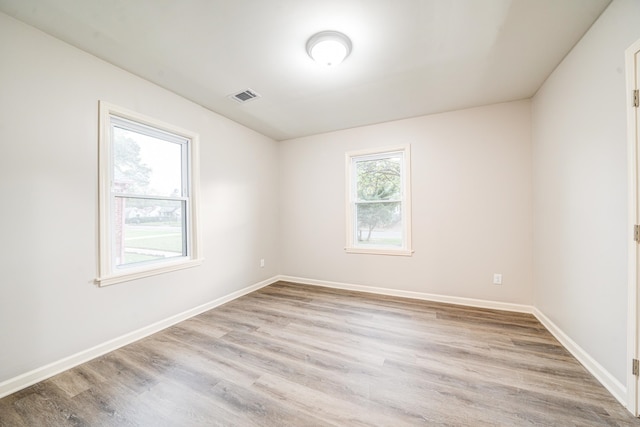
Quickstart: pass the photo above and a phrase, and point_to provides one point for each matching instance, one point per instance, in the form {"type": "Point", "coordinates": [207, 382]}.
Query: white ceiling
{"type": "Point", "coordinates": [409, 58]}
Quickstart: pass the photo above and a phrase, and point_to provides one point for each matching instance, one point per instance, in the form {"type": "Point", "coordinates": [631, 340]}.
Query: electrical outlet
{"type": "Point", "coordinates": [497, 279]}
{"type": "Point", "coordinates": [262, 263]}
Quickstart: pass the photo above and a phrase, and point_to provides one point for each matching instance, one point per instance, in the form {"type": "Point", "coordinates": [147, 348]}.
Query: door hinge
{"type": "Point", "coordinates": [635, 368]}
{"type": "Point", "coordinates": [636, 233]}
{"type": "Point", "coordinates": [636, 98]}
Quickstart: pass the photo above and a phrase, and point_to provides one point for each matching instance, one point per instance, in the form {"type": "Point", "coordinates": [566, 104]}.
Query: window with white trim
{"type": "Point", "coordinates": [148, 182]}
{"type": "Point", "coordinates": [379, 201]}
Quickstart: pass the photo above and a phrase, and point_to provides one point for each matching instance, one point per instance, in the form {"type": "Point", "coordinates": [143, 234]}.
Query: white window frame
{"type": "Point", "coordinates": [405, 200]}
{"type": "Point", "coordinates": [108, 273]}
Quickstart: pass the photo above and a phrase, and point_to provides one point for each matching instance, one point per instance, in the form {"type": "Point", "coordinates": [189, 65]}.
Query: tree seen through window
{"type": "Point", "coordinates": [378, 204]}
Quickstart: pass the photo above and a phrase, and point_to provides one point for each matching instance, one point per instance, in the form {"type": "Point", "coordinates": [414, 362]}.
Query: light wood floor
{"type": "Point", "coordinates": [293, 355]}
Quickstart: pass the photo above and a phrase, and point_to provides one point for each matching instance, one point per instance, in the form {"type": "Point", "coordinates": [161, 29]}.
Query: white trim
{"type": "Point", "coordinates": [632, 219]}
{"type": "Point", "coordinates": [132, 274]}
{"type": "Point", "coordinates": [470, 302]}
{"type": "Point", "coordinates": [40, 374]}
{"type": "Point", "coordinates": [380, 251]}
{"type": "Point", "coordinates": [615, 387]}
{"type": "Point", "coordinates": [404, 152]}
{"type": "Point", "coordinates": [378, 152]}
{"type": "Point", "coordinates": [107, 273]}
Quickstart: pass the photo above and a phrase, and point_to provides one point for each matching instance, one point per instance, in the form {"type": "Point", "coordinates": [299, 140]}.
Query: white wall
{"type": "Point", "coordinates": [580, 190]}
{"type": "Point", "coordinates": [472, 213]}
{"type": "Point", "coordinates": [49, 306]}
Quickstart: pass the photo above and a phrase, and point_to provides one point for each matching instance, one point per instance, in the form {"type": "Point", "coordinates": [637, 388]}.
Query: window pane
{"type": "Point", "coordinates": [378, 179]}
{"type": "Point", "coordinates": [148, 230]}
{"type": "Point", "coordinates": [145, 164]}
{"type": "Point", "coordinates": [379, 224]}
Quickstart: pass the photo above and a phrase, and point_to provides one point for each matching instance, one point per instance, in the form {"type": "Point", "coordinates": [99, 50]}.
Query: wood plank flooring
{"type": "Point", "coordinates": [294, 355]}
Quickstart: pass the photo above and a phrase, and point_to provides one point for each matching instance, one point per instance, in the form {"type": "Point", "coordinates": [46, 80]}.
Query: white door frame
{"type": "Point", "coordinates": [633, 128]}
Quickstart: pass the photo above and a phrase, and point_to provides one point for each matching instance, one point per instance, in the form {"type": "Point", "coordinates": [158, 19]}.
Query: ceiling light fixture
{"type": "Point", "coordinates": [329, 47]}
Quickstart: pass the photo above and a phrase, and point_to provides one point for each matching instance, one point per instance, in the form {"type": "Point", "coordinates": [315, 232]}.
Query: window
{"type": "Point", "coordinates": [148, 182]}
{"type": "Point", "coordinates": [379, 204]}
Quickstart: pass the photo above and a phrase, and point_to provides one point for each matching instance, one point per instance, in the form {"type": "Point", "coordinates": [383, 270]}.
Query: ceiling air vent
{"type": "Point", "coordinates": [245, 96]}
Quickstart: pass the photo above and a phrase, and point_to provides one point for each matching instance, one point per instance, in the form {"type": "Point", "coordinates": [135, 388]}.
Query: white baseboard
{"type": "Point", "coordinates": [615, 387]}
{"type": "Point", "coordinates": [39, 374]}
{"type": "Point", "coordinates": [471, 302]}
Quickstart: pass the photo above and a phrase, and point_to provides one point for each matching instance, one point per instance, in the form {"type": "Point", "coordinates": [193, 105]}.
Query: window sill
{"type": "Point", "coordinates": [130, 274]}
{"type": "Point", "coordinates": [379, 251]}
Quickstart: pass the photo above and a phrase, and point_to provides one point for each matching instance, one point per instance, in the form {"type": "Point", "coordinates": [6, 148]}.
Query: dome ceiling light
{"type": "Point", "coordinates": [329, 48]}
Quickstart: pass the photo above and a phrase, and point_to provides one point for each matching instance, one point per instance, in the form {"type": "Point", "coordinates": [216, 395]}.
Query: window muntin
{"type": "Point", "coordinates": [378, 217]}
{"type": "Point", "coordinates": [147, 196]}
